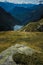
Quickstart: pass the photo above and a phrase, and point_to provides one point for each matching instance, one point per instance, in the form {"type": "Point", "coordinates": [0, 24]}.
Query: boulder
{"type": "Point", "coordinates": [27, 56]}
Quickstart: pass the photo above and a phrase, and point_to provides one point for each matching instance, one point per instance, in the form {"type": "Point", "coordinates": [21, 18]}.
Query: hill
{"type": "Point", "coordinates": [26, 15]}
{"type": "Point", "coordinates": [34, 26]}
{"type": "Point", "coordinates": [7, 21]}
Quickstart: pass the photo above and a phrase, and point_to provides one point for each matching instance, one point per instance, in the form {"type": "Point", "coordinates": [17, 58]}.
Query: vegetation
{"type": "Point", "coordinates": [34, 26]}
{"type": "Point", "coordinates": [30, 35]}
{"type": "Point", "coordinates": [31, 39]}
{"type": "Point", "coordinates": [34, 40]}
{"type": "Point", "coordinates": [24, 59]}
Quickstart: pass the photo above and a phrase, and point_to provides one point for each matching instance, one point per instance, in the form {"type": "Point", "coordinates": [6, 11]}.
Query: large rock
{"type": "Point", "coordinates": [20, 54]}
{"type": "Point", "coordinates": [27, 56]}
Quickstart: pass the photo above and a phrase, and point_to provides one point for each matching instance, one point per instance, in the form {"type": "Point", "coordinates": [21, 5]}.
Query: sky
{"type": "Point", "coordinates": [21, 1]}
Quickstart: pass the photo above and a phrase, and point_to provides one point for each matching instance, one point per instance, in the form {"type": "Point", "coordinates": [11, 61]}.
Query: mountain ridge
{"type": "Point", "coordinates": [7, 21]}
{"type": "Point", "coordinates": [8, 6]}
{"type": "Point", "coordinates": [26, 15]}
{"type": "Point", "coordinates": [33, 26]}
{"type": "Point", "coordinates": [24, 12]}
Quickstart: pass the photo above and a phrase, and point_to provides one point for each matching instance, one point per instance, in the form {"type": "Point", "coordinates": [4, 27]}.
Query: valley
{"type": "Point", "coordinates": [21, 34]}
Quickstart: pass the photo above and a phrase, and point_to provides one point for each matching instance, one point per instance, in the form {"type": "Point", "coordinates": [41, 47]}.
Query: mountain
{"type": "Point", "coordinates": [23, 12]}
{"type": "Point", "coordinates": [34, 26]}
{"type": "Point", "coordinates": [25, 5]}
{"type": "Point", "coordinates": [7, 21]}
{"type": "Point", "coordinates": [9, 6]}
{"type": "Point", "coordinates": [26, 15]}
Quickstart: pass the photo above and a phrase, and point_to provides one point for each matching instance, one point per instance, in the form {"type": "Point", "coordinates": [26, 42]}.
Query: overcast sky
{"type": "Point", "coordinates": [21, 1]}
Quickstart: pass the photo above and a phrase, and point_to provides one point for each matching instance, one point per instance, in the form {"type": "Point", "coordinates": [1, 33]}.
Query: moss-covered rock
{"type": "Point", "coordinates": [24, 59]}
{"type": "Point", "coordinates": [21, 58]}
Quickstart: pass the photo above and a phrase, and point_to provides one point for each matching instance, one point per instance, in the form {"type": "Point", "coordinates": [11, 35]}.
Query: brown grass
{"type": "Point", "coordinates": [32, 39]}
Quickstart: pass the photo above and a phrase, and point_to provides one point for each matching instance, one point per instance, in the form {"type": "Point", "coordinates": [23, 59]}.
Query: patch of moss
{"type": "Point", "coordinates": [24, 59]}
{"type": "Point", "coordinates": [21, 58]}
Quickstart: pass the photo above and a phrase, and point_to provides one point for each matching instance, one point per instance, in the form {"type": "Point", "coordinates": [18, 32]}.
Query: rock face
{"type": "Point", "coordinates": [40, 28]}
{"type": "Point", "coordinates": [20, 55]}
{"type": "Point", "coordinates": [27, 56]}
{"type": "Point", "coordinates": [23, 55]}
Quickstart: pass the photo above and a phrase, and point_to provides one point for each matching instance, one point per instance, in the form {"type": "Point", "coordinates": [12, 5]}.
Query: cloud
{"type": "Point", "coordinates": [21, 1]}
{"type": "Point", "coordinates": [1, 0]}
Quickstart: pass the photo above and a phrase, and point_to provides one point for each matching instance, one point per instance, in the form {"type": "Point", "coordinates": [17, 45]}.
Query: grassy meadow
{"type": "Point", "coordinates": [32, 39]}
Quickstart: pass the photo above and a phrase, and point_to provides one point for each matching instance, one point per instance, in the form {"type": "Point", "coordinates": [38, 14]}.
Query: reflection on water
{"type": "Point", "coordinates": [17, 27]}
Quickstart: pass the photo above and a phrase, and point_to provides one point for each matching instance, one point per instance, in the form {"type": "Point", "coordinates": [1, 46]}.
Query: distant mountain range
{"type": "Point", "coordinates": [9, 6]}
{"type": "Point", "coordinates": [20, 14]}
{"type": "Point", "coordinates": [24, 12]}
{"type": "Point", "coordinates": [26, 15]}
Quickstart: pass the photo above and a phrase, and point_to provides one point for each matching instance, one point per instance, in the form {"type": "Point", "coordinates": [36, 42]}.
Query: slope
{"type": "Point", "coordinates": [26, 15]}
{"type": "Point", "coordinates": [34, 26]}
{"type": "Point", "coordinates": [7, 21]}
{"type": "Point", "coordinates": [30, 39]}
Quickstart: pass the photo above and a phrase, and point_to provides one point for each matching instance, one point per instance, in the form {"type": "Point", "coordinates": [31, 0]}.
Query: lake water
{"type": "Point", "coordinates": [17, 27]}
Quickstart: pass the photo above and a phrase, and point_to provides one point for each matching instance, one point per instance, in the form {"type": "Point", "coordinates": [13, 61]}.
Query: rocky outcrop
{"type": "Point", "coordinates": [20, 54]}
{"type": "Point", "coordinates": [40, 28]}
{"type": "Point", "coordinates": [34, 26]}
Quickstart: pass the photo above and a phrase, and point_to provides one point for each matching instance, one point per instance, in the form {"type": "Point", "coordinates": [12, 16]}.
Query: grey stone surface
{"type": "Point", "coordinates": [6, 56]}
